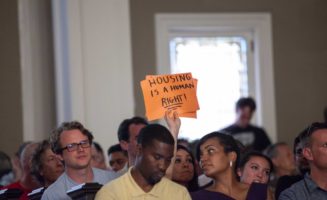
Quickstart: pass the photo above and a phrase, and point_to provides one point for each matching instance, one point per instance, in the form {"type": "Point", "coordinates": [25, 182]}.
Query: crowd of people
{"type": "Point", "coordinates": [150, 162]}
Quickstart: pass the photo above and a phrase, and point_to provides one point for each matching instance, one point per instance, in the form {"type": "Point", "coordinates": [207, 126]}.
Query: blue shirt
{"type": "Point", "coordinates": [304, 189]}
{"type": "Point", "coordinates": [58, 189]}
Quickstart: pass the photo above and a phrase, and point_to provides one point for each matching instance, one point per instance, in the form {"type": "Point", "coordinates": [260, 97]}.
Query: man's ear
{"type": "Point", "coordinates": [123, 145]}
{"type": "Point", "coordinates": [307, 154]}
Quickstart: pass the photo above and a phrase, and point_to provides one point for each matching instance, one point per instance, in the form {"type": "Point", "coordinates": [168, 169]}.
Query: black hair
{"type": "Point", "coordinates": [123, 129]}
{"type": "Point", "coordinates": [307, 133]}
{"type": "Point", "coordinates": [325, 114]}
{"type": "Point", "coordinates": [154, 132]}
{"type": "Point", "coordinates": [297, 149]}
{"type": "Point", "coordinates": [246, 101]}
{"type": "Point", "coordinates": [227, 141]}
{"type": "Point", "coordinates": [116, 148]}
{"type": "Point", "coordinates": [247, 156]}
{"type": "Point", "coordinates": [193, 184]}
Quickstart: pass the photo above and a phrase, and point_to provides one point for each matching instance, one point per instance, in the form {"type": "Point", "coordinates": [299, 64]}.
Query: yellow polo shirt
{"type": "Point", "coordinates": [125, 188]}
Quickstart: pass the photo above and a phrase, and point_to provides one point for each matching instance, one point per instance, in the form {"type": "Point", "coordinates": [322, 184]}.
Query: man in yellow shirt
{"type": "Point", "coordinates": [145, 180]}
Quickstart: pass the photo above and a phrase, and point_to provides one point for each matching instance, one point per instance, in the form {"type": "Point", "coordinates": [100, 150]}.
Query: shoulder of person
{"type": "Point", "coordinates": [110, 189]}
{"type": "Point", "coordinates": [175, 186]}
{"type": "Point", "coordinates": [104, 174]}
{"type": "Point", "coordinates": [290, 193]}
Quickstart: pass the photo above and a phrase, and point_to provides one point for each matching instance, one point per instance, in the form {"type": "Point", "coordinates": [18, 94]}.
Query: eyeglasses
{"type": "Point", "coordinates": [74, 146]}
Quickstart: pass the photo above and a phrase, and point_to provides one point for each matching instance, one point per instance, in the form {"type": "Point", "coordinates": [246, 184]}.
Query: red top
{"type": "Point", "coordinates": [17, 185]}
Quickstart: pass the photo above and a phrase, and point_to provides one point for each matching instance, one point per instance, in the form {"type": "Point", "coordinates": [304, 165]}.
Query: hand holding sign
{"type": "Point", "coordinates": [170, 92]}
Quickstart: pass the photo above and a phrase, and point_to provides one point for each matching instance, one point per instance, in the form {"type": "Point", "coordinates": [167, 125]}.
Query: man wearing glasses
{"type": "Point", "coordinates": [72, 143]}
{"type": "Point", "coordinates": [313, 186]}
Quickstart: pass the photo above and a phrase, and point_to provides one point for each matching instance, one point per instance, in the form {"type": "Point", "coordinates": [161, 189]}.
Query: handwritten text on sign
{"type": "Point", "coordinates": [163, 92]}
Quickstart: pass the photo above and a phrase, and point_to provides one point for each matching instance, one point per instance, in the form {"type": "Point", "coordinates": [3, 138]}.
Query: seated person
{"type": "Point", "coordinates": [98, 160]}
{"type": "Point", "coordinates": [219, 155]}
{"type": "Point", "coordinates": [72, 143]}
{"type": "Point", "coordinates": [255, 167]}
{"type": "Point", "coordinates": [252, 137]}
{"type": "Point", "coordinates": [6, 172]}
{"type": "Point", "coordinates": [27, 182]}
{"type": "Point", "coordinates": [146, 179]}
{"type": "Point", "coordinates": [283, 160]}
{"type": "Point", "coordinates": [118, 159]}
{"type": "Point", "coordinates": [46, 166]}
{"type": "Point", "coordinates": [184, 171]}
{"type": "Point", "coordinates": [313, 186]}
{"type": "Point", "coordinates": [128, 131]}
{"type": "Point", "coordinates": [301, 163]}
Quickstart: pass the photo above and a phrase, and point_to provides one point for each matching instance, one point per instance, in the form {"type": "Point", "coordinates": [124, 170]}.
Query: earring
{"type": "Point", "coordinates": [231, 163]}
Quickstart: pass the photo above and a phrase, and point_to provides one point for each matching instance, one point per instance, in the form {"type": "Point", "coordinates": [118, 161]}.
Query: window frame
{"type": "Point", "coordinates": [260, 70]}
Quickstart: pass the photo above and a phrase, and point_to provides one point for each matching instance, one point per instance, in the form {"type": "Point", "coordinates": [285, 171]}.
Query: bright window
{"type": "Point", "coordinates": [230, 54]}
{"type": "Point", "coordinates": [220, 65]}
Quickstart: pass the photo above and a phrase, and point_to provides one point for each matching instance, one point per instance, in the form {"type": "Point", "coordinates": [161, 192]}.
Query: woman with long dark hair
{"type": "Point", "coordinates": [219, 156]}
{"type": "Point", "coordinates": [184, 170]}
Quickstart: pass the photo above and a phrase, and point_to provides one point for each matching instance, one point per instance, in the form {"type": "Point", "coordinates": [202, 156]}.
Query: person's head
{"type": "Point", "coordinates": [128, 132]}
{"type": "Point", "coordinates": [5, 164]}
{"type": "Point", "coordinates": [218, 153]}
{"type": "Point", "coordinates": [117, 157]}
{"type": "Point", "coordinates": [155, 149]}
{"type": "Point", "coordinates": [26, 162]}
{"type": "Point", "coordinates": [282, 157]}
{"type": "Point", "coordinates": [26, 156]}
{"type": "Point", "coordinates": [245, 107]}
{"type": "Point", "coordinates": [300, 162]}
{"type": "Point", "coordinates": [315, 146]}
{"type": "Point", "coordinates": [184, 142]}
{"type": "Point", "coordinates": [71, 141]}
{"type": "Point", "coordinates": [98, 160]}
{"type": "Point", "coordinates": [46, 166]}
{"type": "Point", "coordinates": [16, 164]}
{"type": "Point", "coordinates": [254, 167]}
{"type": "Point", "coordinates": [184, 170]}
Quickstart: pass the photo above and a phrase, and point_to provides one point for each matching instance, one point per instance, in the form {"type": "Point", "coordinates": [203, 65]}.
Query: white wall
{"type": "Point", "coordinates": [36, 53]}
{"type": "Point", "coordinates": [93, 65]}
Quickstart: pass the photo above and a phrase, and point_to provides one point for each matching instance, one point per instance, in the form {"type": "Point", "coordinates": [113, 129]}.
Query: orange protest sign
{"type": "Point", "coordinates": [170, 92]}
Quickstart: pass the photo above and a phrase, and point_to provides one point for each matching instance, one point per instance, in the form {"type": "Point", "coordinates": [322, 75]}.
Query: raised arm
{"type": "Point", "coordinates": [174, 123]}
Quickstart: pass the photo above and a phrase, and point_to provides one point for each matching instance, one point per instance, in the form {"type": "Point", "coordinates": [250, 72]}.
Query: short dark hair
{"type": "Point", "coordinates": [123, 129]}
{"type": "Point", "coordinates": [37, 160]}
{"type": "Point", "coordinates": [227, 141]}
{"type": "Point", "coordinates": [154, 132]}
{"type": "Point", "coordinates": [246, 101]}
{"type": "Point", "coordinates": [116, 148]}
{"type": "Point", "coordinates": [247, 156]}
{"type": "Point", "coordinates": [306, 137]}
{"type": "Point", "coordinates": [325, 114]}
{"type": "Point", "coordinates": [66, 126]}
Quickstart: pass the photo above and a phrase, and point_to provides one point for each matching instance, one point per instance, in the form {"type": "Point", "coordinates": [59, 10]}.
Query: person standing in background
{"type": "Point", "coordinates": [252, 137]}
